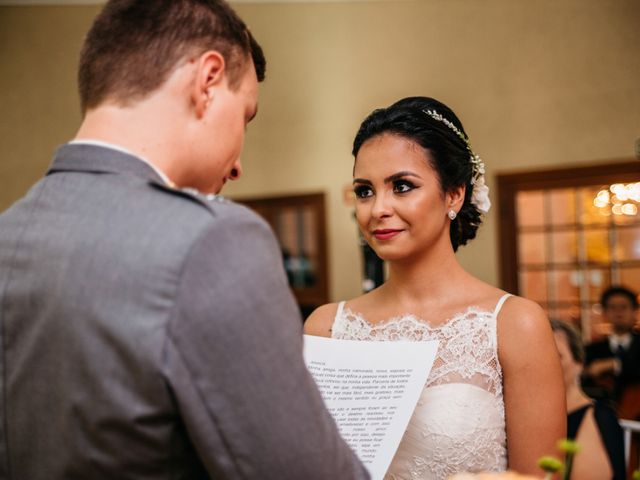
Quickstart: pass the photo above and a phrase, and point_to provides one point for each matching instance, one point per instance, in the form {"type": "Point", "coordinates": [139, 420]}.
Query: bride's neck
{"type": "Point", "coordinates": [436, 272]}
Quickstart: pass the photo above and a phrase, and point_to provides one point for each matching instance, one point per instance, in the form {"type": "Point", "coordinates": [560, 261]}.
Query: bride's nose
{"type": "Point", "coordinates": [382, 206]}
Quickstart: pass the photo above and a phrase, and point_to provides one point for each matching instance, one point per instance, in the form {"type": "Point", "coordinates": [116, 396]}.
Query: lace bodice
{"type": "Point", "coordinates": [458, 424]}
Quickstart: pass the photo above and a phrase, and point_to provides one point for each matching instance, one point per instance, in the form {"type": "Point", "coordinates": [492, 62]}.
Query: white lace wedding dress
{"type": "Point", "coordinates": [459, 423]}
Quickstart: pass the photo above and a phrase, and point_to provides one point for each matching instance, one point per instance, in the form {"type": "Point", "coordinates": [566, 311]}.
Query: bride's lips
{"type": "Point", "coordinates": [385, 233]}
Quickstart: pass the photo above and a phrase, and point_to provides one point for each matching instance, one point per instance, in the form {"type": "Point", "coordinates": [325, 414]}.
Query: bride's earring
{"type": "Point", "coordinates": [452, 214]}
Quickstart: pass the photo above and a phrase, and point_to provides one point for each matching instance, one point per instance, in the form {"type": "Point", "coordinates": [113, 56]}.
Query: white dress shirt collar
{"type": "Point", "coordinates": [623, 340]}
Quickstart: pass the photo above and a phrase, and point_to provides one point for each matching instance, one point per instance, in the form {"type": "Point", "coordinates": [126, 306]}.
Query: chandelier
{"type": "Point", "coordinates": [619, 199]}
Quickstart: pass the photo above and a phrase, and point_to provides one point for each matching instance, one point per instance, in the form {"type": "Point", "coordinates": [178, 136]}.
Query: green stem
{"type": "Point", "coordinates": [567, 467]}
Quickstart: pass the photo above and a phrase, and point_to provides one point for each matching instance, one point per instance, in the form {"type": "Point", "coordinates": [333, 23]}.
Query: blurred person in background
{"type": "Point", "coordinates": [592, 423]}
{"type": "Point", "coordinates": [612, 365]}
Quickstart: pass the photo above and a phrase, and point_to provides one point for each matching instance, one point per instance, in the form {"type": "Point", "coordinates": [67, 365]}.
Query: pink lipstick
{"type": "Point", "coordinates": [385, 234]}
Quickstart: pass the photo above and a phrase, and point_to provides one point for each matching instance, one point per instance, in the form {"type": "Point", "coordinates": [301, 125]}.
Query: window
{"type": "Point", "coordinates": [566, 235]}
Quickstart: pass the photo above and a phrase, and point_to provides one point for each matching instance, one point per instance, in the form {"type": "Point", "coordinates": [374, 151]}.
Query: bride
{"type": "Point", "coordinates": [494, 399]}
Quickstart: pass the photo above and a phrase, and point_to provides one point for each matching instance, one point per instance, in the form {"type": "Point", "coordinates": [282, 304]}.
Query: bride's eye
{"type": "Point", "coordinates": [402, 186]}
{"type": "Point", "coordinates": [362, 191]}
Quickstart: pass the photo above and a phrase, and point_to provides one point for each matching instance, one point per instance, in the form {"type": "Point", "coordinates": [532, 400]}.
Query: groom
{"type": "Point", "coordinates": [147, 331]}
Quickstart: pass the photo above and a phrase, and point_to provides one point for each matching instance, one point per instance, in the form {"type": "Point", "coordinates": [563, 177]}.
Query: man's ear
{"type": "Point", "coordinates": [209, 76]}
{"type": "Point", "coordinates": [455, 197]}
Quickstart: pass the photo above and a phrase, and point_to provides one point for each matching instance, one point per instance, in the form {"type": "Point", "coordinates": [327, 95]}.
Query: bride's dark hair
{"type": "Point", "coordinates": [450, 157]}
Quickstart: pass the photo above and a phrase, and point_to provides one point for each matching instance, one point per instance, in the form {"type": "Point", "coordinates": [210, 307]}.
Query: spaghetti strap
{"type": "Point", "coordinates": [500, 303]}
{"type": "Point", "coordinates": [339, 311]}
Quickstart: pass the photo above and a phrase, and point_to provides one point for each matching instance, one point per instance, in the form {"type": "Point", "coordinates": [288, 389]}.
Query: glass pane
{"type": "Point", "coordinates": [564, 248]}
{"type": "Point", "coordinates": [594, 209]}
{"type": "Point", "coordinates": [286, 229]}
{"type": "Point", "coordinates": [620, 218]}
{"type": "Point", "coordinates": [624, 200]}
{"type": "Point", "coordinates": [597, 245]}
{"type": "Point", "coordinates": [630, 276]}
{"type": "Point", "coordinates": [628, 247]}
{"type": "Point", "coordinates": [598, 280]}
{"type": "Point", "coordinates": [569, 314]}
{"type": "Point", "coordinates": [297, 232]}
{"type": "Point", "coordinates": [563, 206]}
{"type": "Point", "coordinates": [566, 286]}
{"type": "Point", "coordinates": [308, 231]}
{"type": "Point", "coordinates": [617, 202]}
{"type": "Point", "coordinates": [531, 249]}
{"type": "Point", "coordinates": [533, 285]}
{"type": "Point", "coordinates": [530, 208]}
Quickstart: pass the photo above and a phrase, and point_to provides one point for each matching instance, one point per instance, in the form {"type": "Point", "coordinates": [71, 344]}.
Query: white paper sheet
{"type": "Point", "coordinates": [371, 389]}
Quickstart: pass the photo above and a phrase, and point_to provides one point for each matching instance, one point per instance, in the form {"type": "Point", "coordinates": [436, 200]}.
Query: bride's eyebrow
{"type": "Point", "coordinates": [362, 181]}
{"type": "Point", "coordinates": [389, 179]}
{"type": "Point", "coordinates": [400, 175]}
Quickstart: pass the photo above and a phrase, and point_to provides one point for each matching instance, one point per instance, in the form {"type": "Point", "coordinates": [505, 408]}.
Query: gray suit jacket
{"type": "Point", "coordinates": [148, 333]}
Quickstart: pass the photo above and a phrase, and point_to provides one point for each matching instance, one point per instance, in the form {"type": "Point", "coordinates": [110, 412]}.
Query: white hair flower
{"type": "Point", "coordinates": [480, 195]}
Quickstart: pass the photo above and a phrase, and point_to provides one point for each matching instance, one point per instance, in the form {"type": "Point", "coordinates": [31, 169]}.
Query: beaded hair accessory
{"type": "Point", "coordinates": [480, 194]}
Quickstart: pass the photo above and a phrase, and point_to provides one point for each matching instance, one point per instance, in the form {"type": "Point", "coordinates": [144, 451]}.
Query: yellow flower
{"type": "Point", "coordinates": [569, 447]}
{"type": "Point", "coordinates": [550, 464]}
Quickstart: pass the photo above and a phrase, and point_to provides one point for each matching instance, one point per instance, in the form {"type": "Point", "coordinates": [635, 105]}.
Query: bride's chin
{"type": "Point", "coordinates": [389, 255]}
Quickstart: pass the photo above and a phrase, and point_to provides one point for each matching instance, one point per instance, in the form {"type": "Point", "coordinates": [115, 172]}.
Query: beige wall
{"type": "Point", "coordinates": [537, 84]}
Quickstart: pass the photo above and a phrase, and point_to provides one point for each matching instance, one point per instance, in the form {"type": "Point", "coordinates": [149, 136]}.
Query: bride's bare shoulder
{"type": "Point", "coordinates": [525, 310]}
{"type": "Point", "coordinates": [320, 321]}
{"type": "Point", "coordinates": [513, 306]}
{"type": "Point", "coordinates": [522, 323]}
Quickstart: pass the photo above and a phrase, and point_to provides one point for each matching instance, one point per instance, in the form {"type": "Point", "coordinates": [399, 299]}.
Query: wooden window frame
{"type": "Point", "coordinates": [509, 184]}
